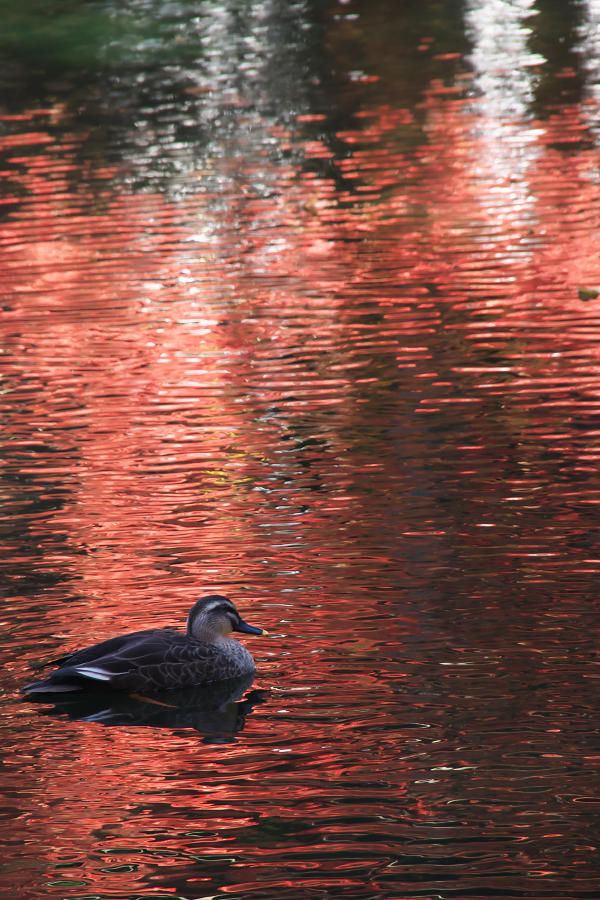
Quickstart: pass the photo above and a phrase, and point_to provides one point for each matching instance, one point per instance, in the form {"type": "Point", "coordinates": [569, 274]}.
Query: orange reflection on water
{"type": "Point", "coordinates": [335, 402]}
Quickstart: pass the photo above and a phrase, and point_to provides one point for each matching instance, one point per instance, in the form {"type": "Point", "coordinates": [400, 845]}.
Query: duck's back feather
{"type": "Point", "coordinates": [110, 646]}
{"type": "Point", "coordinates": [151, 659]}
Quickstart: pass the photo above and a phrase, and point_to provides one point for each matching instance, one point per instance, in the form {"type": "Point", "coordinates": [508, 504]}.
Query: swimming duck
{"type": "Point", "coordinates": [160, 658]}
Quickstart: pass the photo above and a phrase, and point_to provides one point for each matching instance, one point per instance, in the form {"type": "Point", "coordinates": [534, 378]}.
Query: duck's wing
{"type": "Point", "coordinates": [108, 647]}
{"type": "Point", "coordinates": [147, 658]}
{"type": "Point", "coordinates": [140, 661]}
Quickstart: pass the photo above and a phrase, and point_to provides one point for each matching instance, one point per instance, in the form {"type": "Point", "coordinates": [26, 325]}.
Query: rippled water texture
{"type": "Point", "coordinates": [300, 305]}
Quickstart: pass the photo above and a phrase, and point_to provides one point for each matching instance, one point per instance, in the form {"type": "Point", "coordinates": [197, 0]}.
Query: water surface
{"type": "Point", "coordinates": [300, 305]}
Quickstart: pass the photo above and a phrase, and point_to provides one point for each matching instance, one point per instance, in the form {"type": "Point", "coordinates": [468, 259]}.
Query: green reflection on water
{"type": "Point", "coordinates": [71, 33]}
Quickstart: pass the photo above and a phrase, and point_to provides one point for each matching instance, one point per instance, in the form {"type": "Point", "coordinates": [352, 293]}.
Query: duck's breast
{"type": "Point", "coordinates": [236, 659]}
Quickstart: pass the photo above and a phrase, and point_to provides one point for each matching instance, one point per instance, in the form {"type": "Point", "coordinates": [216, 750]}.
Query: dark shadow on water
{"type": "Point", "coordinates": [218, 711]}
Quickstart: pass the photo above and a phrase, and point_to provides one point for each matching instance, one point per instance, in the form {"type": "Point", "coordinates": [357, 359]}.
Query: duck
{"type": "Point", "coordinates": [159, 658]}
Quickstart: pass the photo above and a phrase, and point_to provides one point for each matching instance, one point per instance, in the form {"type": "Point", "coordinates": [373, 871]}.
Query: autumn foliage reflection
{"type": "Point", "coordinates": [357, 401]}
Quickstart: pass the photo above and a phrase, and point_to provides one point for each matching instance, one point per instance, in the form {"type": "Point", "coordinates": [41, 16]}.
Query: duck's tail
{"type": "Point", "coordinates": [68, 679]}
{"type": "Point", "coordinates": [47, 686]}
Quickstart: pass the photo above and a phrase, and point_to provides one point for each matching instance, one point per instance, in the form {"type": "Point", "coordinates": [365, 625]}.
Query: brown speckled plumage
{"type": "Point", "coordinates": [160, 658]}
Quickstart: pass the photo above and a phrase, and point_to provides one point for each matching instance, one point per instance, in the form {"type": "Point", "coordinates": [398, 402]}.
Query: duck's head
{"type": "Point", "coordinates": [215, 617]}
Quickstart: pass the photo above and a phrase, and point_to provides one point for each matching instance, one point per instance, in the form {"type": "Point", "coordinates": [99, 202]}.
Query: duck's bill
{"type": "Point", "coordinates": [248, 629]}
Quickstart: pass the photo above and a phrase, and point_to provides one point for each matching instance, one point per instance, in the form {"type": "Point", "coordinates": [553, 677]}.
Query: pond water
{"type": "Point", "coordinates": [300, 305]}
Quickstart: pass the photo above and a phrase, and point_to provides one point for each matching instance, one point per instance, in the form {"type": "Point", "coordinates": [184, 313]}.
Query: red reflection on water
{"type": "Point", "coordinates": [203, 401]}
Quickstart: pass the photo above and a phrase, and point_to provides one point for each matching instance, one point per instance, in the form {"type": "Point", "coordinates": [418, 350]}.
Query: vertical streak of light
{"type": "Point", "coordinates": [505, 82]}
{"type": "Point", "coordinates": [589, 48]}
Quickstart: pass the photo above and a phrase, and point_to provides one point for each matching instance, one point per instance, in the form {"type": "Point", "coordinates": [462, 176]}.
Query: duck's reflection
{"type": "Point", "coordinates": [218, 711]}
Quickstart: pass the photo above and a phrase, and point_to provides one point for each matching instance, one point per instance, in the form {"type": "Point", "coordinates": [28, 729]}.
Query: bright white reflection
{"type": "Point", "coordinates": [589, 47]}
{"type": "Point", "coordinates": [503, 63]}
{"type": "Point", "coordinates": [504, 83]}
{"type": "Point", "coordinates": [234, 74]}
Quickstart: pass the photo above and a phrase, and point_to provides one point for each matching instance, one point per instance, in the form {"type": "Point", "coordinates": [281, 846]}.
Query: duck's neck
{"type": "Point", "coordinates": [207, 636]}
